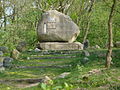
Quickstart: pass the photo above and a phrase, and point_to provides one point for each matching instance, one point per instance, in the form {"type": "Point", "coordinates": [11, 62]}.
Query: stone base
{"type": "Point", "coordinates": [60, 46]}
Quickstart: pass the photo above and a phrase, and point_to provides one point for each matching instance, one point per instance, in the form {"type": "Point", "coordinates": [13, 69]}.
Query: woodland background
{"type": "Point", "coordinates": [19, 18]}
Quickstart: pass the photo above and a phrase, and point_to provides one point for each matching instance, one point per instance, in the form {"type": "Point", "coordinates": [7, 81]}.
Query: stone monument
{"type": "Point", "coordinates": [57, 31]}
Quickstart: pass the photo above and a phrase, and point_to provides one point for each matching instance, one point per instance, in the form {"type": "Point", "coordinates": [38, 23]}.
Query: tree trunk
{"type": "Point", "coordinates": [13, 15]}
{"type": "Point", "coordinates": [88, 23]}
{"type": "Point", "coordinates": [110, 39]}
{"type": "Point", "coordinates": [1, 9]}
{"type": "Point", "coordinates": [4, 16]}
{"type": "Point", "coordinates": [87, 31]}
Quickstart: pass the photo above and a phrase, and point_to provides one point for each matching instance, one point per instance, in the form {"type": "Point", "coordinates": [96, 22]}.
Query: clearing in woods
{"type": "Point", "coordinates": [30, 70]}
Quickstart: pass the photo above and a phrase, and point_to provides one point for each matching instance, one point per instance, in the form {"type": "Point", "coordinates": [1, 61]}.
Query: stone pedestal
{"type": "Point", "coordinates": [60, 46]}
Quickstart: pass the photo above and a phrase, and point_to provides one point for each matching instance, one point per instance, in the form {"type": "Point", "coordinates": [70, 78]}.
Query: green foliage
{"type": "Point", "coordinates": [79, 68]}
{"type": "Point", "coordinates": [66, 86]}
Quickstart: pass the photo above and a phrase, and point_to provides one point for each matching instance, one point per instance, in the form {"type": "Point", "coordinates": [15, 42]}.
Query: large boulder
{"type": "Point", "coordinates": [57, 27]}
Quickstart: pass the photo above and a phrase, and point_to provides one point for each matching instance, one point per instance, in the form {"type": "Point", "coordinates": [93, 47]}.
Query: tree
{"type": "Point", "coordinates": [0, 9]}
{"type": "Point", "coordinates": [88, 23]}
{"type": "Point", "coordinates": [110, 39]}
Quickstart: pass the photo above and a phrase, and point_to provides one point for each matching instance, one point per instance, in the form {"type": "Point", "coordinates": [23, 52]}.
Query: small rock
{"type": "Point", "coordinates": [28, 58]}
{"type": "Point", "coordinates": [30, 50]}
{"type": "Point", "coordinates": [7, 62]}
{"type": "Point", "coordinates": [86, 53]}
{"type": "Point", "coordinates": [2, 69]}
{"type": "Point", "coordinates": [4, 49]}
{"type": "Point", "coordinates": [37, 49]}
{"type": "Point", "coordinates": [1, 53]}
{"type": "Point", "coordinates": [47, 80]}
{"type": "Point", "coordinates": [97, 47]}
{"type": "Point", "coordinates": [21, 46]}
{"type": "Point", "coordinates": [85, 60]}
{"type": "Point", "coordinates": [15, 54]}
{"type": "Point", "coordinates": [63, 75]}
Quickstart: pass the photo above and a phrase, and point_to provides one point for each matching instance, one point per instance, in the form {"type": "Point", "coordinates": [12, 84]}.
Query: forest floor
{"type": "Point", "coordinates": [66, 70]}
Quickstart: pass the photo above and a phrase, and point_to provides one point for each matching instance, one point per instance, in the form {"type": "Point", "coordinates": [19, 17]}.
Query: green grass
{"type": "Point", "coordinates": [107, 78]}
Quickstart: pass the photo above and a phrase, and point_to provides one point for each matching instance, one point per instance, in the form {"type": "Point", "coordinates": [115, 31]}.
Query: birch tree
{"type": "Point", "coordinates": [110, 34]}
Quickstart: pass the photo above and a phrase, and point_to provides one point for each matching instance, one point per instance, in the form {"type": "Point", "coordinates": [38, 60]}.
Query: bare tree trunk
{"type": "Point", "coordinates": [89, 16]}
{"type": "Point", "coordinates": [87, 31]}
{"type": "Point", "coordinates": [4, 15]}
{"type": "Point", "coordinates": [1, 9]}
{"type": "Point", "coordinates": [110, 39]}
{"type": "Point", "coordinates": [14, 12]}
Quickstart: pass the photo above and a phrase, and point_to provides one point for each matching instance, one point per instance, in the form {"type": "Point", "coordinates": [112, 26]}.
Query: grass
{"type": "Point", "coordinates": [109, 78]}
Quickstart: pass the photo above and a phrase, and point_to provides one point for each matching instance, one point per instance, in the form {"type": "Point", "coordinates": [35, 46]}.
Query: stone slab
{"type": "Point", "coordinates": [56, 66]}
{"type": "Point", "coordinates": [60, 57]}
{"type": "Point", "coordinates": [60, 46]}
